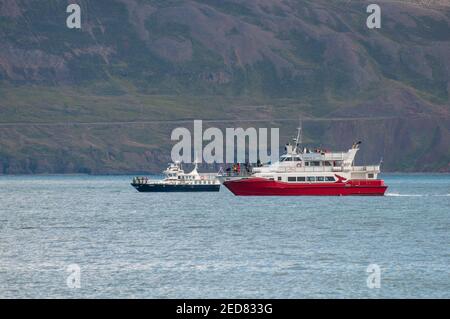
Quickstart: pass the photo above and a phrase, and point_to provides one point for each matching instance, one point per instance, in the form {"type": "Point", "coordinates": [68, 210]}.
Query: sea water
{"type": "Point", "coordinates": [113, 242]}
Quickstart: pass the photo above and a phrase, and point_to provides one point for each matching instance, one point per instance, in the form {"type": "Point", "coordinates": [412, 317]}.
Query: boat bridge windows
{"type": "Point", "coordinates": [312, 163]}
{"type": "Point", "coordinates": [184, 177]}
{"type": "Point", "coordinates": [291, 159]}
{"type": "Point", "coordinates": [323, 163]}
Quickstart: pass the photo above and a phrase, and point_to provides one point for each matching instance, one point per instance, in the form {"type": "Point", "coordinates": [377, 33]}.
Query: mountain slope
{"type": "Point", "coordinates": [146, 61]}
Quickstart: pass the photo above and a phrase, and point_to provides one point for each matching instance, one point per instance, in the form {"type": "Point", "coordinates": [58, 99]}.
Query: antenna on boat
{"type": "Point", "coordinates": [299, 138]}
{"type": "Point", "coordinates": [195, 161]}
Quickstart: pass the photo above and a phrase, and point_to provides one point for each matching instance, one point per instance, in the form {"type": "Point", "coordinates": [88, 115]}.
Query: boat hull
{"type": "Point", "coordinates": [175, 188]}
{"type": "Point", "coordinates": [264, 187]}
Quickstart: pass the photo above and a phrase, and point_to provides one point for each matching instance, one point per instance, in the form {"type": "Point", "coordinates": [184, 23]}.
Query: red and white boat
{"type": "Point", "coordinates": [301, 171]}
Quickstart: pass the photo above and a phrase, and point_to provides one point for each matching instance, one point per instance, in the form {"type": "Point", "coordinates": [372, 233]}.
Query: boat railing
{"type": "Point", "coordinates": [369, 168]}
{"type": "Point", "coordinates": [314, 169]}
{"type": "Point", "coordinates": [144, 180]}
{"type": "Point", "coordinates": [207, 179]}
{"type": "Point", "coordinates": [324, 156]}
{"type": "Point", "coordinates": [309, 169]}
{"type": "Point", "coordinates": [305, 169]}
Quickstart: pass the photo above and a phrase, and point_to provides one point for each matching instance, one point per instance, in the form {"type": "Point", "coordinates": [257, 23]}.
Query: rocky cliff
{"type": "Point", "coordinates": [105, 98]}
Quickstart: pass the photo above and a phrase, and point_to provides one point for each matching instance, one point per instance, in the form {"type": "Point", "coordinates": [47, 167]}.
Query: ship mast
{"type": "Point", "coordinates": [195, 161]}
{"type": "Point", "coordinates": [299, 139]}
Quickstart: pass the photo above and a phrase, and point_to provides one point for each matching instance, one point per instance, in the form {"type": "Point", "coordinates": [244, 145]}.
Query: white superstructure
{"type": "Point", "coordinates": [175, 175]}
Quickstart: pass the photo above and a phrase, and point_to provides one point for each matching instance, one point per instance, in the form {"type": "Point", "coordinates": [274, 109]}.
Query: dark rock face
{"type": "Point", "coordinates": [136, 60]}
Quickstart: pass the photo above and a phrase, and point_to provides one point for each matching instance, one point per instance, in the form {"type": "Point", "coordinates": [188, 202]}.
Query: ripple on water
{"type": "Point", "coordinates": [213, 245]}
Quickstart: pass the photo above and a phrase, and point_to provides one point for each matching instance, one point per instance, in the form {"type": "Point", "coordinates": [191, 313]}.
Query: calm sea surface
{"type": "Point", "coordinates": [215, 245]}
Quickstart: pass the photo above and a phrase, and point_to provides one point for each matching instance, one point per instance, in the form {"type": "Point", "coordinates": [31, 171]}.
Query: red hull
{"type": "Point", "coordinates": [264, 187]}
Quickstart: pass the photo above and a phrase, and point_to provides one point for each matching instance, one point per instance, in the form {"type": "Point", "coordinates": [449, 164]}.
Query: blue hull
{"type": "Point", "coordinates": [175, 188]}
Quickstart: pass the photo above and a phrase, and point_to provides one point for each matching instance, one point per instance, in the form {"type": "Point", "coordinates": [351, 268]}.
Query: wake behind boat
{"type": "Point", "coordinates": [176, 180]}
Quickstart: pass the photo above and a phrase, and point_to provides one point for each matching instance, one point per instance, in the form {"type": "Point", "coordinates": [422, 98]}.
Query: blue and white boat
{"type": "Point", "coordinates": [176, 180]}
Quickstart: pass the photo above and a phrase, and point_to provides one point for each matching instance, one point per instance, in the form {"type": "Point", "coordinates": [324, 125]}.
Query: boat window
{"type": "Point", "coordinates": [315, 163]}
{"type": "Point", "coordinates": [306, 163]}
{"type": "Point", "coordinates": [320, 178]}
{"type": "Point", "coordinates": [288, 159]}
{"type": "Point", "coordinates": [326, 163]}
{"type": "Point", "coordinates": [301, 179]}
{"type": "Point", "coordinates": [291, 179]}
{"type": "Point", "coordinates": [370, 175]}
{"type": "Point", "coordinates": [329, 179]}
{"type": "Point", "coordinates": [279, 178]}
{"type": "Point", "coordinates": [311, 179]}
{"type": "Point", "coordinates": [297, 159]}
